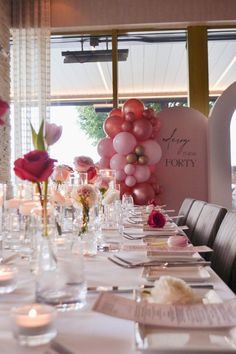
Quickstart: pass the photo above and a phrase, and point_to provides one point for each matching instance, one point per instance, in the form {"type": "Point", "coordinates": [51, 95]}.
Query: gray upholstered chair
{"type": "Point", "coordinates": [184, 210]}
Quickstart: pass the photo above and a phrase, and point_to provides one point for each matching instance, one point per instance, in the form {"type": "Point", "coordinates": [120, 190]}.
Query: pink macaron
{"type": "Point", "coordinates": [177, 241]}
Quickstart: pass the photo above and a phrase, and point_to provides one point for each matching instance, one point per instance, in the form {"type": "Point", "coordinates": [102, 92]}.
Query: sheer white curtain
{"type": "Point", "coordinates": [31, 68]}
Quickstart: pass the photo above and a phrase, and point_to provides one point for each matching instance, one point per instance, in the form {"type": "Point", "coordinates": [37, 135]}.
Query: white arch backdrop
{"type": "Point", "coordinates": [219, 157]}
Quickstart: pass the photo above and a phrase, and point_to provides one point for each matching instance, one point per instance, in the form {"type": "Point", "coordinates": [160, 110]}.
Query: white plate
{"type": "Point", "coordinates": [191, 274]}
{"type": "Point", "coordinates": [149, 339]}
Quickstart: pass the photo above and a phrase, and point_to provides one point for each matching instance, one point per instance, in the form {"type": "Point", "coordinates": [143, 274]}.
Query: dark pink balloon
{"type": "Point", "coordinates": [142, 193]}
{"type": "Point", "coordinates": [148, 113]}
{"type": "Point", "coordinates": [104, 162]}
{"type": "Point", "coordinates": [152, 168]}
{"type": "Point", "coordinates": [134, 105]}
{"type": "Point", "coordinates": [127, 126]}
{"type": "Point", "coordinates": [112, 125]}
{"type": "Point", "coordinates": [105, 147]}
{"type": "Point", "coordinates": [116, 112]}
{"type": "Point", "coordinates": [142, 129]}
{"type": "Point", "coordinates": [130, 117]}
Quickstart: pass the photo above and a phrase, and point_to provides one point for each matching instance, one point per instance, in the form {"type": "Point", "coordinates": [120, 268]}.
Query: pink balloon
{"type": "Point", "coordinates": [105, 147]}
{"type": "Point", "coordinates": [142, 193]}
{"type": "Point", "coordinates": [124, 143]}
{"type": "Point", "coordinates": [142, 129]}
{"type": "Point", "coordinates": [112, 125]}
{"type": "Point", "coordinates": [118, 162]}
{"type": "Point", "coordinates": [127, 126]}
{"type": "Point", "coordinates": [104, 162]}
{"type": "Point", "coordinates": [130, 181]}
{"type": "Point", "coordinates": [152, 179]}
{"type": "Point", "coordinates": [152, 150]}
{"type": "Point", "coordinates": [142, 173]}
{"type": "Point", "coordinates": [129, 169]}
{"type": "Point", "coordinates": [120, 175]}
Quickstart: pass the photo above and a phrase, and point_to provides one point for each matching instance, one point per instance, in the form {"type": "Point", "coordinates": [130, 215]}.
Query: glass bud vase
{"type": "Point", "coordinates": [60, 279]}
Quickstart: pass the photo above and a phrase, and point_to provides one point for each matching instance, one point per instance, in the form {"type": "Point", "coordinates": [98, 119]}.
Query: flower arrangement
{"type": "Point", "coordinates": [36, 166]}
{"type": "Point", "coordinates": [156, 219]}
{"type": "Point", "coordinates": [86, 196]}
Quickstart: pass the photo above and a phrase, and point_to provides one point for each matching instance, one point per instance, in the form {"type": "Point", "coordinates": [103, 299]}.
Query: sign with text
{"type": "Point", "coordinates": [182, 171]}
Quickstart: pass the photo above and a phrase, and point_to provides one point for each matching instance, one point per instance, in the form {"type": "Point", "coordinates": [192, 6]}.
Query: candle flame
{"type": "Point", "coordinates": [32, 313]}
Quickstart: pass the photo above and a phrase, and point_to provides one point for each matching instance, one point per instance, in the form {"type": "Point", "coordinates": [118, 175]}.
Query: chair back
{"type": "Point", "coordinates": [224, 255]}
{"type": "Point", "coordinates": [193, 216]}
{"type": "Point", "coordinates": [184, 210]}
{"type": "Point", "coordinates": [208, 225]}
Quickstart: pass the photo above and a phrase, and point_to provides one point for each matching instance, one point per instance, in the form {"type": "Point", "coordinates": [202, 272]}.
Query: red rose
{"type": "Point", "coordinates": [36, 166]}
{"type": "Point", "coordinates": [3, 107]}
{"type": "Point", "coordinates": [156, 219]}
{"type": "Point", "coordinates": [91, 173]}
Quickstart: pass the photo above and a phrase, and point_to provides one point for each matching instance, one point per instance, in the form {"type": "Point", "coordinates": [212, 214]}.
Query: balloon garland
{"type": "Point", "coordinates": [131, 149]}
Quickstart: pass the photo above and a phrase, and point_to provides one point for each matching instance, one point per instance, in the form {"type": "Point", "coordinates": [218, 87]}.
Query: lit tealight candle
{"type": "Point", "coordinates": [34, 324]}
{"type": "Point", "coordinates": [8, 275]}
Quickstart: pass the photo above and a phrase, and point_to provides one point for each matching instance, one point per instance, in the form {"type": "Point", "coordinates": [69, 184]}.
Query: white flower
{"type": "Point", "coordinates": [110, 197]}
{"type": "Point", "coordinates": [171, 290]}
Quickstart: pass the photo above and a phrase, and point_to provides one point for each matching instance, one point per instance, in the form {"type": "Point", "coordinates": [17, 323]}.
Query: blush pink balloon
{"type": "Point", "coordinates": [127, 126]}
{"type": "Point", "coordinates": [105, 147]}
{"type": "Point", "coordinates": [129, 169]}
{"type": "Point", "coordinates": [124, 143]}
{"type": "Point", "coordinates": [112, 125]}
{"type": "Point", "coordinates": [120, 175]}
{"type": "Point", "coordinates": [118, 162]}
{"type": "Point", "coordinates": [135, 106]}
{"type": "Point", "coordinates": [130, 181]}
{"type": "Point", "coordinates": [152, 150]}
{"type": "Point", "coordinates": [142, 173]}
{"type": "Point", "coordinates": [104, 162]}
{"type": "Point", "coordinates": [142, 129]}
{"type": "Point", "coordinates": [142, 193]}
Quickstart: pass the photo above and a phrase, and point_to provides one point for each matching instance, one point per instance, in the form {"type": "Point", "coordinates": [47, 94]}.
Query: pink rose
{"type": "Point", "coordinates": [83, 163]}
{"type": "Point", "coordinates": [52, 133]}
{"type": "Point", "coordinates": [61, 173]}
{"type": "Point", "coordinates": [156, 219]}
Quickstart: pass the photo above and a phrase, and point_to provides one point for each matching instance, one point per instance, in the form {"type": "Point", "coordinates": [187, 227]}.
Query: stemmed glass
{"type": "Point", "coordinates": [127, 202]}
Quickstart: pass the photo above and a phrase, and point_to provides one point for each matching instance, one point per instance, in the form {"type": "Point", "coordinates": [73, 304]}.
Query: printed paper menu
{"type": "Point", "coordinates": [180, 316]}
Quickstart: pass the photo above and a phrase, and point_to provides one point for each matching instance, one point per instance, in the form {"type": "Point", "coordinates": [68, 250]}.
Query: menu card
{"type": "Point", "coordinates": [183, 316]}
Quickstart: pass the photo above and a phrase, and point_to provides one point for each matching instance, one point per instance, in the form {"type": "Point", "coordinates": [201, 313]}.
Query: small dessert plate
{"type": "Point", "coordinates": [188, 273]}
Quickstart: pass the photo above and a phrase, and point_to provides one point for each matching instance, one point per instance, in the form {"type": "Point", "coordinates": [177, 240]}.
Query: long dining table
{"type": "Point", "coordinates": [85, 331]}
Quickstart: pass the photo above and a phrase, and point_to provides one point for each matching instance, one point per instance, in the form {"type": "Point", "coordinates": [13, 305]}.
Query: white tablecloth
{"type": "Point", "coordinates": [84, 331]}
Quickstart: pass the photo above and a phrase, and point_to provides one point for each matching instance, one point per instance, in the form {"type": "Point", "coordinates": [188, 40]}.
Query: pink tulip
{"type": "Point", "coordinates": [52, 133]}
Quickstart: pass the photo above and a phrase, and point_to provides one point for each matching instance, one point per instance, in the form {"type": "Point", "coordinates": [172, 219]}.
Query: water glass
{"type": "Point", "coordinates": [127, 202]}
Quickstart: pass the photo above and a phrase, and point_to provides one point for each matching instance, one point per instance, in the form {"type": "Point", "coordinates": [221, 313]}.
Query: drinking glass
{"type": "Point", "coordinates": [127, 202]}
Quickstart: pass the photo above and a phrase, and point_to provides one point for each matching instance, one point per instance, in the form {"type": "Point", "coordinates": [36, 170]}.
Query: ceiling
{"type": "Point", "coordinates": [156, 67]}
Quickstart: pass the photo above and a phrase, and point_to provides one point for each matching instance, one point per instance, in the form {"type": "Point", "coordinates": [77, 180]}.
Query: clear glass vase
{"type": "Point", "coordinates": [60, 279]}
